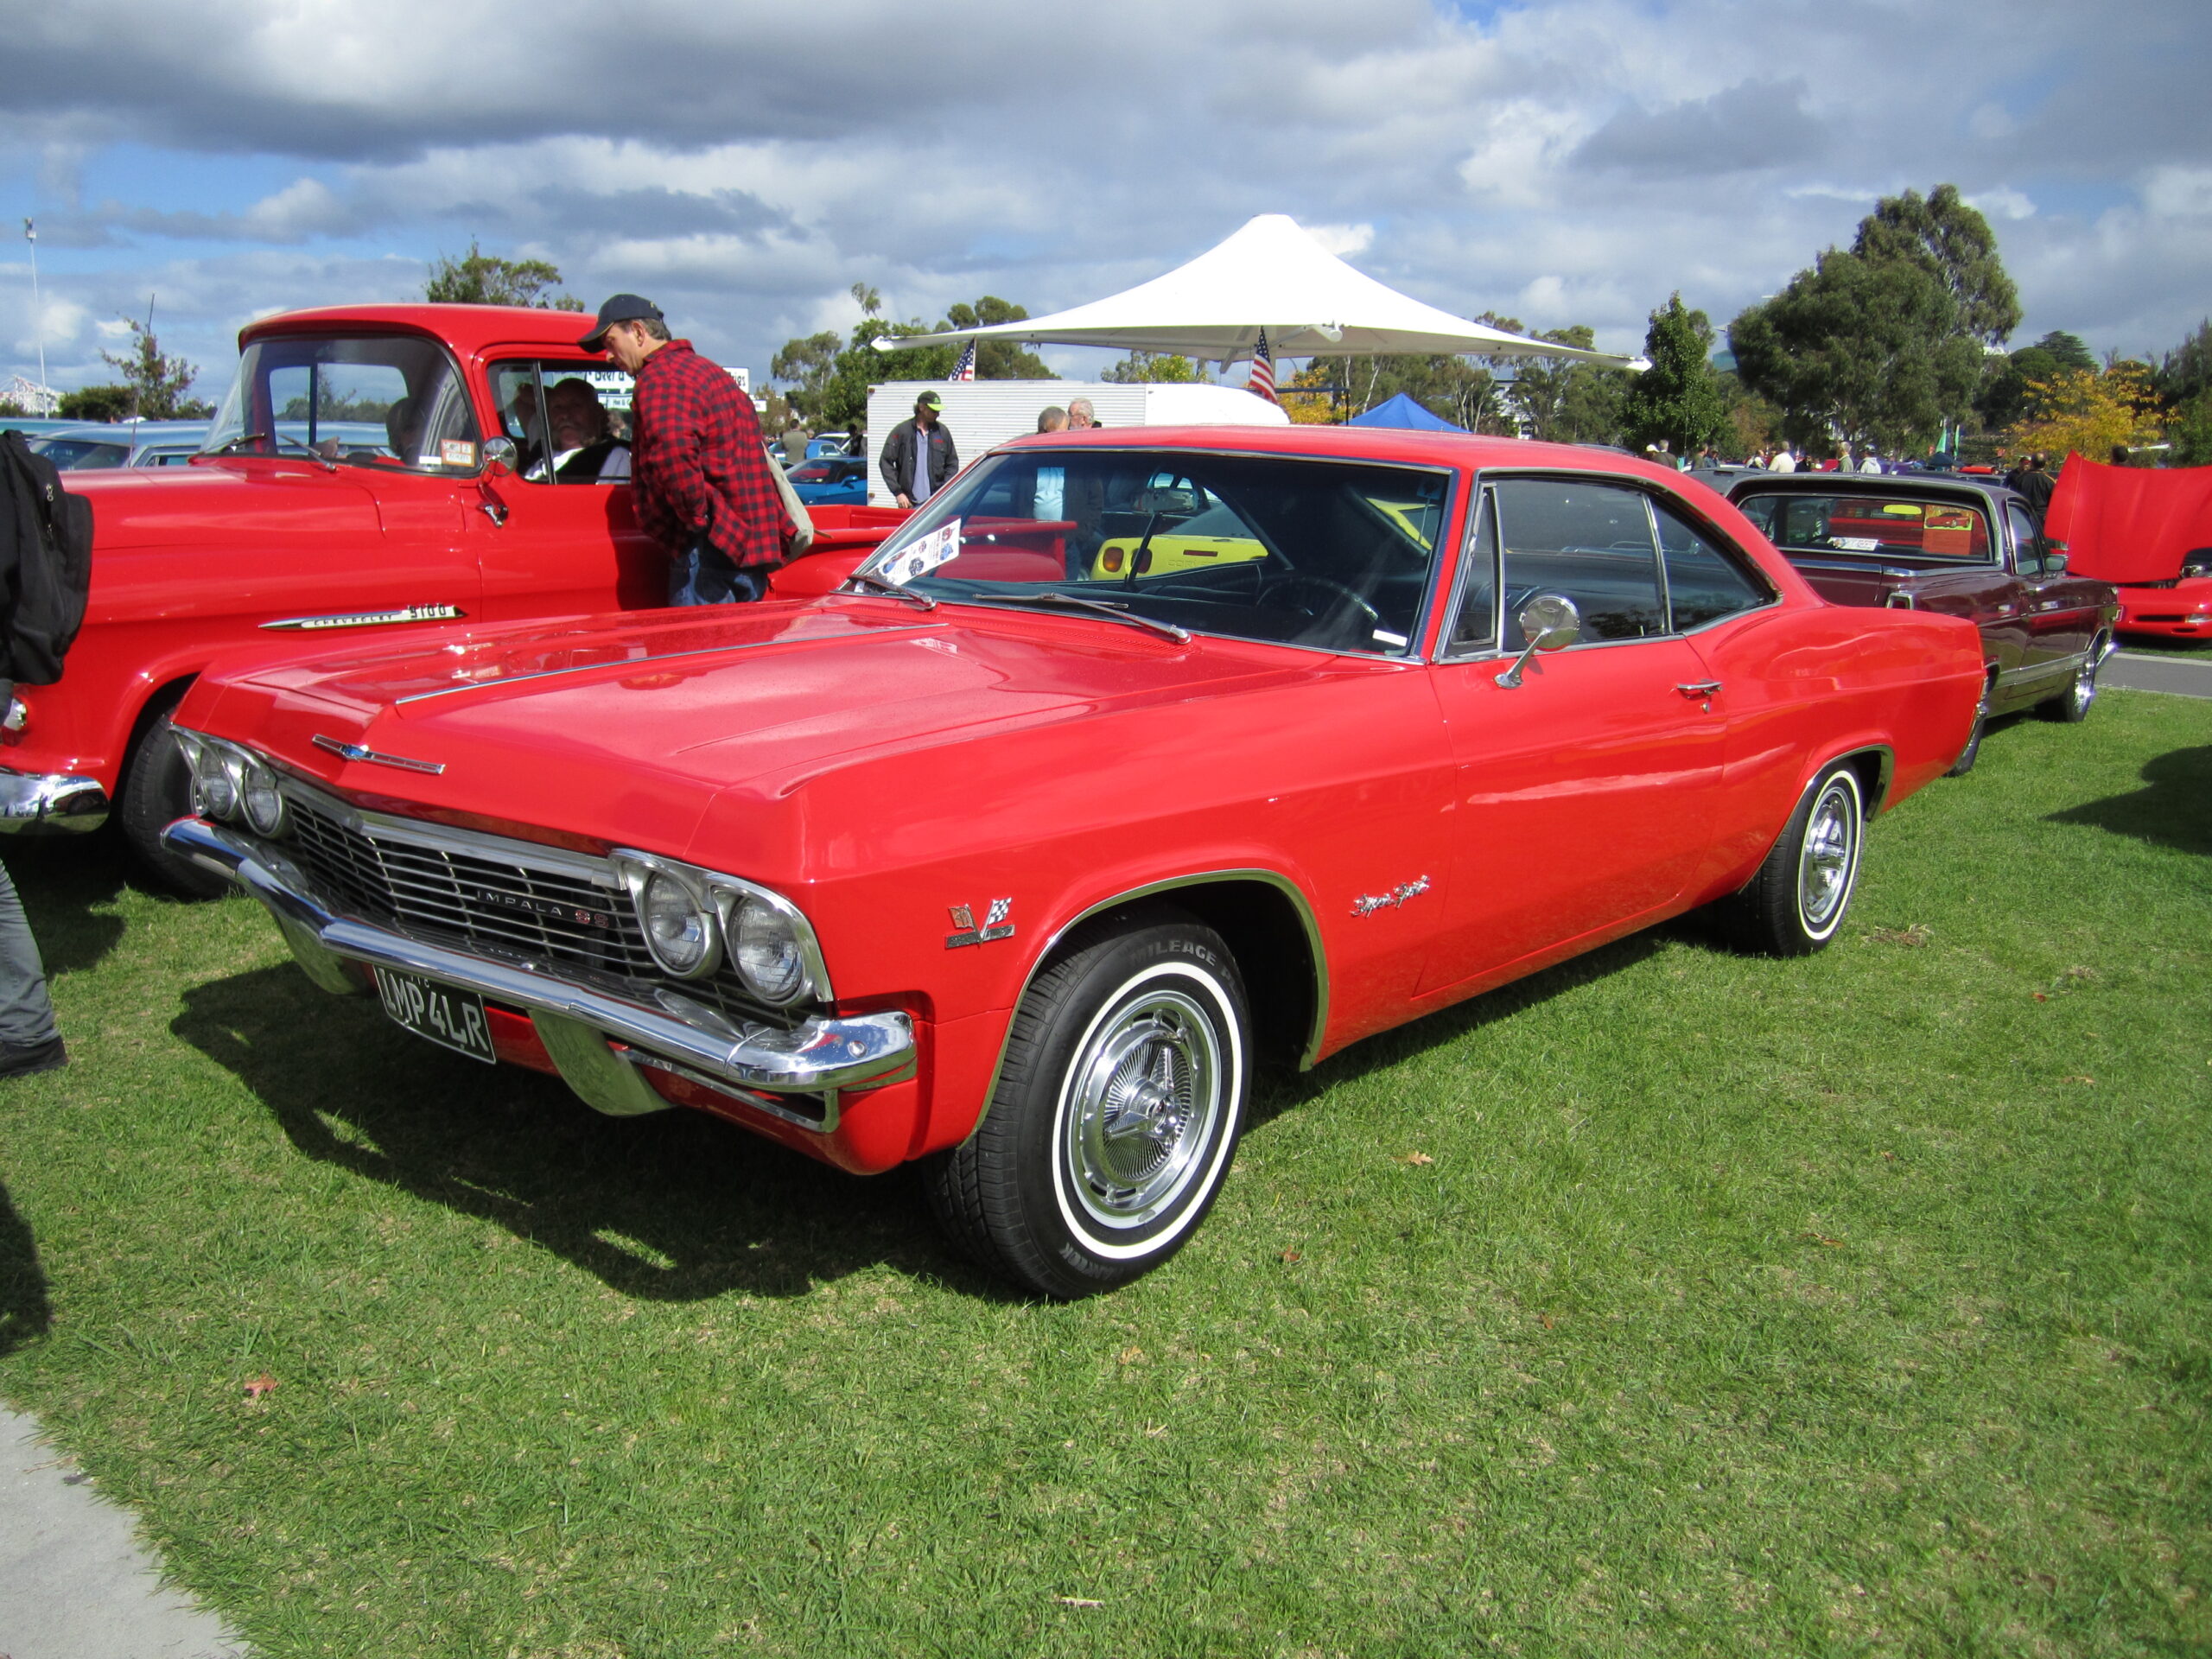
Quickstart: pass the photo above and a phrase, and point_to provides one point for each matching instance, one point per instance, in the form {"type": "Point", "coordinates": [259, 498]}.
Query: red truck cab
{"type": "Point", "coordinates": [373, 470]}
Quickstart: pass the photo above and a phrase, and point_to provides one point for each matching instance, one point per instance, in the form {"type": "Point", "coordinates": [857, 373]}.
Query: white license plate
{"type": "Point", "coordinates": [443, 1013]}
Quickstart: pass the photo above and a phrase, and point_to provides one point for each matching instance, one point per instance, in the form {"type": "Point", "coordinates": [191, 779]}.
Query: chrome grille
{"type": "Point", "coordinates": [493, 897]}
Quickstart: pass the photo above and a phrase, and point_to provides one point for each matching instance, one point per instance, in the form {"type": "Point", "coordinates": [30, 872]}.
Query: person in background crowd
{"type": "Point", "coordinates": [918, 457]}
{"type": "Point", "coordinates": [585, 448]}
{"type": "Point", "coordinates": [704, 491]}
{"type": "Point", "coordinates": [794, 444]}
{"type": "Point", "coordinates": [1872, 463]}
{"type": "Point", "coordinates": [1783, 462]}
{"type": "Point", "coordinates": [1081, 415]}
{"type": "Point", "coordinates": [2035, 486]}
{"type": "Point", "coordinates": [2121, 455]}
{"type": "Point", "coordinates": [1051, 418]}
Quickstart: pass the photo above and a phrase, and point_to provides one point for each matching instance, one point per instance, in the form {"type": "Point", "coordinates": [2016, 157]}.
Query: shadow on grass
{"type": "Point", "coordinates": [671, 1207]}
{"type": "Point", "coordinates": [1281, 1092]}
{"type": "Point", "coordinates": [25, 1313]}
{"type": "Point", "coordinates": [2174, 808]}
{"type": "Point", "coordinates": [61, 880]}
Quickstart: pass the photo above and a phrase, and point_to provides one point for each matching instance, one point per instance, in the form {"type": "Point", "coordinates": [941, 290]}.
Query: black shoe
{"type": "Point", "coordinates": [21, 1060]}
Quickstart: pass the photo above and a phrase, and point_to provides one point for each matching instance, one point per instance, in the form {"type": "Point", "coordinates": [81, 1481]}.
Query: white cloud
{"type": "Point", "coordinates": [2178, 191]}
{"type": "Point", "coordinates": [2002, 202]}
{"type": "Point", "coordinates": [1343, 240]}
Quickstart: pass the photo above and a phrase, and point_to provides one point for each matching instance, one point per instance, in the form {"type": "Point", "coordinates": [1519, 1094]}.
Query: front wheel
{"type": "Point", "coordinates": [1796, 902]}
{"type": "Point", "coordinates": [2073, 707]}
{"type": "Point", "coordinates": [156, 791]}
{"type": "Point", "coordinates": [1118, 1109]}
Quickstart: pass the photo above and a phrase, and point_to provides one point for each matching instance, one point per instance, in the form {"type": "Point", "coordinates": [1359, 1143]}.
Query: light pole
{"type": "Point", "coordinates": [38, 320]}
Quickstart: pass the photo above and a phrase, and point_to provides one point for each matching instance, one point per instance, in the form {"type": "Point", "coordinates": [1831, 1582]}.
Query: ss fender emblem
{"type": "Point", "coordinates": [996, 926]}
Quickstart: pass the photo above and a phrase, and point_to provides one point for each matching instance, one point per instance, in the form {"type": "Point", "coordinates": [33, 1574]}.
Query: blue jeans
{"type": "Point", "coordinates": [699, 576]}
{"type": "Point", "coordinates": [25, 1011]}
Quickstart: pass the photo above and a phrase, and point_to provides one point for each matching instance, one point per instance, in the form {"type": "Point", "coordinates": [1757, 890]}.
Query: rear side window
{"type": "Point", "coordinates": [1704, 582]}
{"type": "Point", "coordinates": [1870, 524]}
{"type": "Point", "coordinates": [1590, 542]}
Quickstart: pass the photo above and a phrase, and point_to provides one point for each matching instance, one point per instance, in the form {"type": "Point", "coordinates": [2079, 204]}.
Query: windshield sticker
{"type": "Point", "coordinates": [457, 452]}
{"type": "Point", "coordinates": [924, 555]}
{"type": "Point", "coordinates": [1383, 636]}
{"type": "Point", "coordinates": [1855, 543]}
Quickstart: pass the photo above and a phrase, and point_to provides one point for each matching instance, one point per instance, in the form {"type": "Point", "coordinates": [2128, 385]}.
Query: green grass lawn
{"type": "Point", "coordinates": [1667, 1302]}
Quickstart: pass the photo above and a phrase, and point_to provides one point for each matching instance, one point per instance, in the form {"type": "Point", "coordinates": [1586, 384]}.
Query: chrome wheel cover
{"type": "Point", "coordinates": [2084, 692]}
{"type": "Point", "coordinates": [1829, 860]}
{"type": "Point", "coordinates": [1144, 1102]}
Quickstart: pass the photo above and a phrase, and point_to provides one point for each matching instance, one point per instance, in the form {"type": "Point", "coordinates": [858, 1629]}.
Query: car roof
{"type": "Point", "coordinates": [1393, 444]}
{"type": "Point", "coordinates": [467, 328]}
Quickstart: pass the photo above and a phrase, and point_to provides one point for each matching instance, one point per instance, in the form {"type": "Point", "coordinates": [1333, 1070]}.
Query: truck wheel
{"type": "Point", "coordinates": [1118, 1109]}
{"type": "Point", "coordinates": [1796, 902]}
{"type": "Point", "coordinates": [156, 791]}
{"type": "Point", "coordinates": [1972, 752]}
{"type": "Point", "coordinates": [2073, 707]}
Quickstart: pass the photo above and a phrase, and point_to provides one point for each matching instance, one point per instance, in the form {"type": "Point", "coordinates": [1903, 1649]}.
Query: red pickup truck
{"type": "Point", "coordinates": [371, 471]}
{"type": "Point", "coordinates": [1955, 546]}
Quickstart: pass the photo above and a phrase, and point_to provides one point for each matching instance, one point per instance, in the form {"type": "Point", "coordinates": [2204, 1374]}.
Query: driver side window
{"type": "Point", "coordinates": [569, 421]}
{"type": "Point", "coordinates": [1590, 543]}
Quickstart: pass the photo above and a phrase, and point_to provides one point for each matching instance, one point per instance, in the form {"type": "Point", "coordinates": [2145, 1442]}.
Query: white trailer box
{"type": "Point", "coordinates": [981, 413]}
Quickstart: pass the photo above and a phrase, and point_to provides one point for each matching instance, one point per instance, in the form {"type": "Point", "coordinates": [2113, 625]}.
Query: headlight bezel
{"type": "Point", "coordinates": [231, 765]}
{"type": "Point", "coordinates": [258, 774]}
{"type": "Point", "coordinates": [725, 896]}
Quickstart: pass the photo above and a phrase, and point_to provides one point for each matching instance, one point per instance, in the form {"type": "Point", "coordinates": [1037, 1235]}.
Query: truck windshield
{"type": "Point", "coordinates": [1876, 524]}
{"type": "Point", "coordinates": [381, 400]}
{"type": "Point", "coordinates": [1331, 555]}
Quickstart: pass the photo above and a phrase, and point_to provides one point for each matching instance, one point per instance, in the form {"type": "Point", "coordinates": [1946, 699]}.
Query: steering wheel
{"type": "Point", "coordinates": [1278, 594]}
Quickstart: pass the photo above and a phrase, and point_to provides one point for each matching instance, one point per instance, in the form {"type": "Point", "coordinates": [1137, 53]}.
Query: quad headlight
{"type": "Point", "coordinates": [693, 918]}
{"type": "Point", "coordinates": [232, 785]}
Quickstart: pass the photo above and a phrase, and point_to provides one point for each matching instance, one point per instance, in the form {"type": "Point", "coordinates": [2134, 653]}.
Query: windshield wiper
{"type": "Point", "coordinates": [1077, 602]}
{"type": "Point", "coordinates": [309, 450]}
{"type": "Point", "coordinates": [875, 583]}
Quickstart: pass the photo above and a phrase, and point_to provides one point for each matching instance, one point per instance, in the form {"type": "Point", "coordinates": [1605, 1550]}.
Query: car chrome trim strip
{"type": "Point", "coordinates": [632, 663]}
{"type": "Point", "coordinates": [370, 619]}
{"type": "Point", "coordinates": [42, 803]}
{"type": "Point", "coordinates": [819, 1055]}
{"type": "Point", "coordinates": [1282, 884]}
{"type": "Point", "coordinates": [345, 751]}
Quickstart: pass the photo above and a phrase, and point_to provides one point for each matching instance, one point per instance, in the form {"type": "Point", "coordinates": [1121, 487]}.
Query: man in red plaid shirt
{"type": "Point", "coordinates": [703, 488]}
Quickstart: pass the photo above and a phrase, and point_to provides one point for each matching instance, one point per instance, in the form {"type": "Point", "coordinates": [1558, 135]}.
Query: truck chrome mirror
{"type": "Point", "coordinates": [499, 456]}
{"type": "Point", "coordinates": [1548, 622]}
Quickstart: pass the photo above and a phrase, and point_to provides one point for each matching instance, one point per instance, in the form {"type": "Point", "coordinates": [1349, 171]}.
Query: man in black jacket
{"type": "Point", "coordinates": [910, 482]}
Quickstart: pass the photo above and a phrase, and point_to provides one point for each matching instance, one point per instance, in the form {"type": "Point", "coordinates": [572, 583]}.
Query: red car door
{"type": "Point", "coordinates": [1585, 792]}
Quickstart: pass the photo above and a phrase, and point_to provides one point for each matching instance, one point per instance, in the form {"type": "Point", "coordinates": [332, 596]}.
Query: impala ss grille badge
{"type": "Point", "coordinates": [1368, 904]}
{"type": "Point", "coordinates": [361, 752]}
{"type": "Point", "coordinates": [996, 926]}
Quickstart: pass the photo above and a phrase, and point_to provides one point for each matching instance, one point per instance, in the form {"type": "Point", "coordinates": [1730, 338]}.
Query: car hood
{"type": "Point", "coordinates": [626, 728]}
{"type": "Point", "coordinates": [239, 505]}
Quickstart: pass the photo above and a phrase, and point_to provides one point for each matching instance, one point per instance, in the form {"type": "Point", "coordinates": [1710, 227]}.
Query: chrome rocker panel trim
{"type": "Point", "coordinates": [44, 802]}
{"type": "Point", "coordinates": [820, 1057]}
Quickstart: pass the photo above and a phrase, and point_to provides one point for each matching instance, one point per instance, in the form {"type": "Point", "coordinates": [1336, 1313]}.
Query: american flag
{"type": "Point", "coordinates": [965, 368]}
{"type": "Point", "coordinates": [1262, 377]}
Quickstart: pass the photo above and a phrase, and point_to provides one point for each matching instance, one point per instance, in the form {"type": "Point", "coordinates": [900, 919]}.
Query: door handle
{"type": "Point", "coordinates": [1697, 690]}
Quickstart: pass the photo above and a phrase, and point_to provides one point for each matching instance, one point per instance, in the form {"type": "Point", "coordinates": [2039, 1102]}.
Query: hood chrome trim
{"type": "Point", "coordinates": [345, 751]}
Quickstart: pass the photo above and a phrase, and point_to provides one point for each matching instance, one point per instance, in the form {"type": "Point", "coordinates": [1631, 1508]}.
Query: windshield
{"type": "Point", "coordinates": [1326, 554]}
{"type": "Point", "coordinates": [80, 454]}
{"type": "Point", "coordinates": [382, 400]}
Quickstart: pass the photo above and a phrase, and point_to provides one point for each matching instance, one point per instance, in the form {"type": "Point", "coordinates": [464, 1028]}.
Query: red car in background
{"type": "Point", "coordinates": [969, 855]}
{"type": "Point", "coordinates": [2147, 530]}
{"type": "Point", "coordinates": [369, 473]}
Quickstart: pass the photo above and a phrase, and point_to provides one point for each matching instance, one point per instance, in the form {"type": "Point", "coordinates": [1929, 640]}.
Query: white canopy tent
{"type": "Point", "coordinates": [1270, 274]}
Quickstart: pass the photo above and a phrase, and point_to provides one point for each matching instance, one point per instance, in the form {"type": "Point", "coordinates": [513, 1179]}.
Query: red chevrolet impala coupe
{"type": "Point", "coordinates": [968, 853]}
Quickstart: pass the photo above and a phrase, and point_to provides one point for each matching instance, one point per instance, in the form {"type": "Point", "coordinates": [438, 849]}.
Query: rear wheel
{"type": "Point", "coordinates": [156, 791]}
{"type": "Point", "coordinates": [1118, 1109]}
{"type": "Point", "coordinates": [1796, 902]}
{"type": "Point", "coordinates": [1972, 752]}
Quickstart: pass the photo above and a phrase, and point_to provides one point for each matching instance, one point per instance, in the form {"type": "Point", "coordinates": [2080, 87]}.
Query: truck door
{"type": "Point", "coordinates": [559, 536]}
{"type": "Point", "coordinates": [1585, 793]}
{"type": "Point", "coordinates": [2062, 611]}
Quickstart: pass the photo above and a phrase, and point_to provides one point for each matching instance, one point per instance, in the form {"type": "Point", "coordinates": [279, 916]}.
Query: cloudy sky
{"type": "Point", "coordinates": [745, 164]}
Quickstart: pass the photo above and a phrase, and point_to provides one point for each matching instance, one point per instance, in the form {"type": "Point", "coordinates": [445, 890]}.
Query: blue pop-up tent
{"type": "Point", "coordinates": [1402, 411]}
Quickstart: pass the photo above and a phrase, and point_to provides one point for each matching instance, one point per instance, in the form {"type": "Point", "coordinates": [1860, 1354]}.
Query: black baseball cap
{"type": "Point", "coordinates": [931, 399]}
{"type": "Point", "coordinates": [621, 308]}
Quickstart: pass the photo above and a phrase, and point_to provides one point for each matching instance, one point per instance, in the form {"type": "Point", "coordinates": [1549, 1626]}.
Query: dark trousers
{"type": "Point", "coordinates": [25, 1011]}
{"type": "Point", "coordinates": [700, 575]}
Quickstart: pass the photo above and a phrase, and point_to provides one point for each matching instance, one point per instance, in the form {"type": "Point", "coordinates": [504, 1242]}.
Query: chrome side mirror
{"type": "Point", "coordinates": [1548, 622]}
{"type": "Point", "coordinates": [499, 456]}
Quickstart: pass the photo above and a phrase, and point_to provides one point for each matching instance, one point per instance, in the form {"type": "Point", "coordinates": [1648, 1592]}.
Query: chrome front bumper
{"type": "Point", "coordinates": [35, 802]}
{"type": "Point", "coordinates": [820, 1057]}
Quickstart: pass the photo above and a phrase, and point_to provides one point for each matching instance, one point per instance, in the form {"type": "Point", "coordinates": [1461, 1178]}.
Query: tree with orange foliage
{"type": "Point", "coordinates": [2080, 411]}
